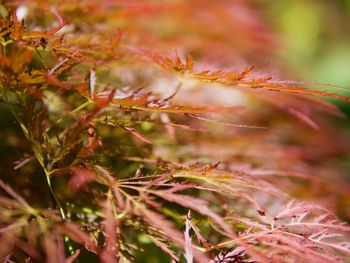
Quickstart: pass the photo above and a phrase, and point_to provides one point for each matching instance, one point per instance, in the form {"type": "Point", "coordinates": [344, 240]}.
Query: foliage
{"type": "Point", "coordinates": [112, 151]}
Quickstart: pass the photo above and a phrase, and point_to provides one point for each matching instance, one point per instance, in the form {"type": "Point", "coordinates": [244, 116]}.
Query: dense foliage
{"type": "Point", "coordinates": [137, 131]}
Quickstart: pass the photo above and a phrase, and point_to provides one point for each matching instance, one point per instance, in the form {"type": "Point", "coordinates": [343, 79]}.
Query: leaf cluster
{"type": "Point", "coordinates": [108, 154]}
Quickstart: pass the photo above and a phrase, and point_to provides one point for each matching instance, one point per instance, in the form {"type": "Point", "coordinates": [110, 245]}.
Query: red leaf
{"type": "Point", "coordinates": [79, 236]}
{"type": "Point", "coordinates": [110, 250]}
{"type": "Point", "coordinates": [81, 178]}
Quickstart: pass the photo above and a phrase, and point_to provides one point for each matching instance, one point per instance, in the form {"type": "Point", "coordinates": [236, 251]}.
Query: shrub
{"type": "Point", "coordinates": [112, 151]}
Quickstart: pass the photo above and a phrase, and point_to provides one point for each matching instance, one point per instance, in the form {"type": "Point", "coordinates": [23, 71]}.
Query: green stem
{"type": "Point", "coordinates": [80, 107]}
{"type": "Point", "coordinates": [48, 178]}
{"type": "Point", "coordinates": [57, 202]}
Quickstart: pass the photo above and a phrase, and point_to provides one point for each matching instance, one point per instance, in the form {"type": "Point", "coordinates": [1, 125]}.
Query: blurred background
{"type": "Point", "coordinates": [314, 38]}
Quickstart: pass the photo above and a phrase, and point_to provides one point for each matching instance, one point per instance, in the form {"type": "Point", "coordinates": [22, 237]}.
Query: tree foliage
{"type": "Point", "coordinates": [130, 133]}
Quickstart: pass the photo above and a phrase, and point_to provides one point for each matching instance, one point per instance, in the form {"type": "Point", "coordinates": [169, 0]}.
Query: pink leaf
{"type": "Point", "coordinates": [81, 178]}
{"type": "Point", "coordinates": [110, 250]}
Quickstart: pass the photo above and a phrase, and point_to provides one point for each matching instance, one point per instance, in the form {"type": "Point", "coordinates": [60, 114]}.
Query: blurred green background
{"type": "Point", "coordinates": [315, 39]}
